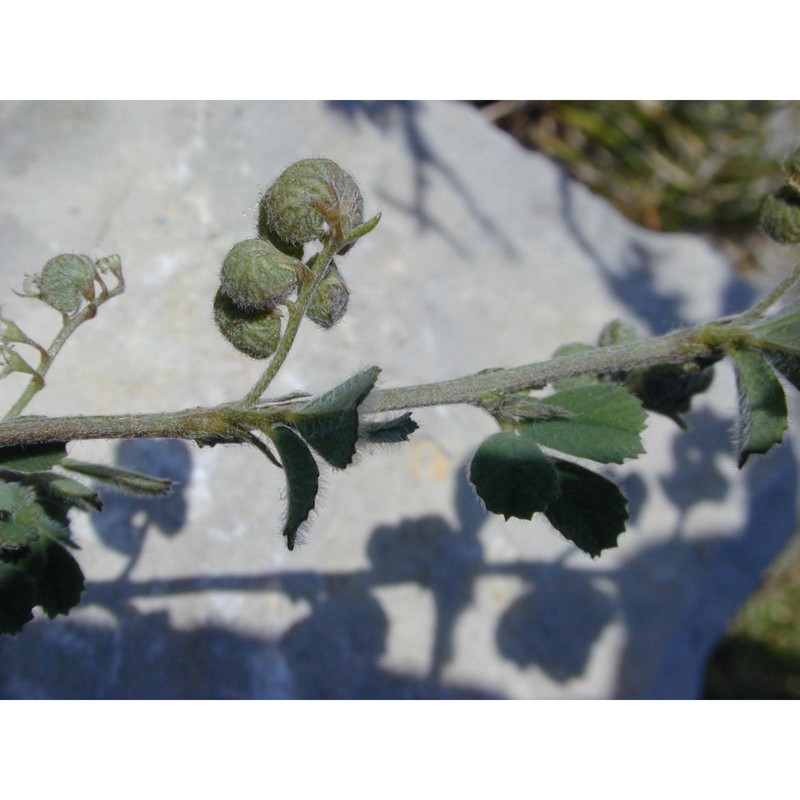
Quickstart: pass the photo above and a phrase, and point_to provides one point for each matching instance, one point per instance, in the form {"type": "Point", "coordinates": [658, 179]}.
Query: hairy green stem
{"type": "Point", "coordinates": [47, 357]}
{"type": "Point", "coordinates": [225, 421]}
{"type": "Point", "coordinates": [760, 308]}
{"type": "Point", "coordinates": [296, 313]}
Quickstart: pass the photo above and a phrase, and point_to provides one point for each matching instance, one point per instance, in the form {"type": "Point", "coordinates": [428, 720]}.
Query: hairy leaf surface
{"type": "Point", "coordinates": [124, 480]}
{"type": "Point", "coordinates": [590, 511]}
{"type": "Point", "coordinates": [763, 415]}
{"type": "Point", "coordinates": [32, 457]}
{"type": "Point", "coordinates": [783, 330]}
{"type": "Point", "coordinates": [329, 423]}
{"type": "Point", "coordinates": [61, 580]}
{"type": "Point", "coordinates": [302, 479]}
{"type": "Point", "coordinates": [389, 431]}
{"type": "Point", "coordinates": [513, 476]}
{"type": "Point", "coordinates": [605, 424]}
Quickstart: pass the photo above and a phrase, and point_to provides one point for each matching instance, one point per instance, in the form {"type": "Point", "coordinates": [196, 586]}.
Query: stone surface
{"type": "Point", "coordinates": [486, 255]}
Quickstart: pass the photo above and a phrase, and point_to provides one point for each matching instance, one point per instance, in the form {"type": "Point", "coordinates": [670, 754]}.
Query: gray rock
{"type": "Point", "coordinates": [486, 255]}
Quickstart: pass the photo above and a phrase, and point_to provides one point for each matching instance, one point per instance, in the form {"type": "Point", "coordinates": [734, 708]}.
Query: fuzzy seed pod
{"type": "Point", "coordinates": [256, 275]}
{"type": "Point", "coordinates": [618, 331]}
{"type": "Point", "coordinates": [254, 333]}
{"type": "Point", "coordinates": [780, 216]}
{"type": "Point", "coordinates": [266, 232]}
{"type": "Point", "coordinates": [66, 279]}
{"type": "Point", "coordinates": [791, 170]}
{"type": "Point", "coordinates": [310, 196]}
{"type": "Point", "coordinates": [329, 303]}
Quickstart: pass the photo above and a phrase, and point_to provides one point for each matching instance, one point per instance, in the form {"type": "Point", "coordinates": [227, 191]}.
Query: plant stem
{"type": "Point", "coordinates": [224, 422]}
{"type": "Point", "coordinates": [46, 358]}
{"type": "Point", "coordinates": [763, 305]}
{"type": "Point", "coordinates": [296, 313]}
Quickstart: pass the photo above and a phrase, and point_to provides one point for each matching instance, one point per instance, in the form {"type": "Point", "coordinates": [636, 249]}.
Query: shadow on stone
{"type": "Point", "coordinates": [389, 116]}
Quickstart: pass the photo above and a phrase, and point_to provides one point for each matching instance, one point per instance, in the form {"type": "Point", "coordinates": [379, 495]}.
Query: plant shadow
{"type": "Point", "coordinates": [337, 650]}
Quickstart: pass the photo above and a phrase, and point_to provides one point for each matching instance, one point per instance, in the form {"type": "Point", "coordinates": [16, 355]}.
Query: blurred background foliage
{"type": "Point", "coordinates": [702, 167]}
{"type": "Point", "coordinates": [671, 165]}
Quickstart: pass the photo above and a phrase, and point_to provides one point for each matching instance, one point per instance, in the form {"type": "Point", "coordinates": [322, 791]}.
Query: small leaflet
{"type": "Point", "coordinates": [590, 510]}
{"type": "Point", "coordinates": [121, 479]}
{"type": "Point", "coordinates": [302, 479]}
{"type": "Point", "coordinates": [513, 476]}
{"type": "Point", "coordinates": [389, 431]}
{"type": "Point", "coordinates": [783, 330]}
{"type": "Point", "coordinates": [763, 414]}
{"type": "Point", "coordinates": [604, 425]}
{"type": "Point", "coordinates": [329, 423]}
{"type": "Point", "coordinates": [32, 457]}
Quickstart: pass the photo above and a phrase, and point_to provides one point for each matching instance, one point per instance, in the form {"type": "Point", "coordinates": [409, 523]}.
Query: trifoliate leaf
{"type": "Point", "coordinates": [513, 476]}
{"type": "Point", "coordinates": [32, 457]}
{"type": "Point", "coordinates": [60, 579]}
{"type": "Point", "coordinates": [389, 431]}
{"type": "Point", "coordinates": [782, 332]}
{"type": "Point", "coordinates": [122, 479]}
{"type": "Point", "coordinates": [590, 511]}
{"type": "Point", "coordinates": [302, 479]}
{"type": "Point", "coordinates": [763, 415]}
{"type": "Point", "coordinates": [329, 423]}
{"type": "Point", "coordinates": [605, 424]}
{"type": "Point", "coordinates": [17, 598]}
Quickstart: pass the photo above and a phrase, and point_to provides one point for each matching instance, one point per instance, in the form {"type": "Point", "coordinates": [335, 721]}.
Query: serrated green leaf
{"type": "Point", "coordinates": [590, 511]}
{"type": "Point", "coordinates": [302, 479]}
{"type": "Point", "coordinates": [329, 423]}
{"type": "Point", "coordinates": [60, 579]}
{"type": "Point", "coordinates": [32, 457]}
{"type": "Point", "coordinates": [122, 479]}
{"type": "Point", "coordinates": [20, 519]}
{"type": "Point", "coordinates": [513, 476]}
{"type": "Point", "coordinates": [389, 431]}
{"type": "Point", "coordinates": [763, 415]}
{"type": "Point", "coordinates": [605, 424]}
{"type": "Point", "coordinates": [783, 330]}
{"type": "Point", "coordinates": [17, 598]}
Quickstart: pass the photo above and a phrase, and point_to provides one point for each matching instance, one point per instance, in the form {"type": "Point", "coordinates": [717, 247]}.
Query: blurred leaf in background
{"type": "Point", "coordinates": [672, 165]}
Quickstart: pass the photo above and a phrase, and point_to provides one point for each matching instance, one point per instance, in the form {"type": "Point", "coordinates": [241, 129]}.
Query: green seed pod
{"type": "Point", "coordinates": [329, 303]}
{"type": "Point", "coordinates": [254, 333]}
{"type": "Point", "coordinates": [618, 331]}
{"type": "Point", "coordinates": [256, 275]}
{"type": "Point", "coordinates": [66, 279]}
{"type": "Point", "coordinates": [780, 216]}
{"type": "Point", "coordinates": [266, 232]}
{"type": "Point", "coordinates": [310, 196]}
{"type": "Point", "coordinates": [791, 170]}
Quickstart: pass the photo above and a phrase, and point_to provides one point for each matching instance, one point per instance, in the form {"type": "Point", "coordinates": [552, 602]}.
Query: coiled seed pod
{"type": "Point", "coordinates": [256, 275]}
{"type": "Point", "coordinates": [780, 216]}
{"type": "Point", "coordinates": [791, 170]}
{"type": "Point", "coordinates": [266, 232]}
{"type": "Point", "coordinates": [254, 333]}
{"type": "Point", "coordinates": [309, 196]}
{"type": "Point", "coordinates": [64, 280]}
{"type": "Point", "coordinates": [329, 303]}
